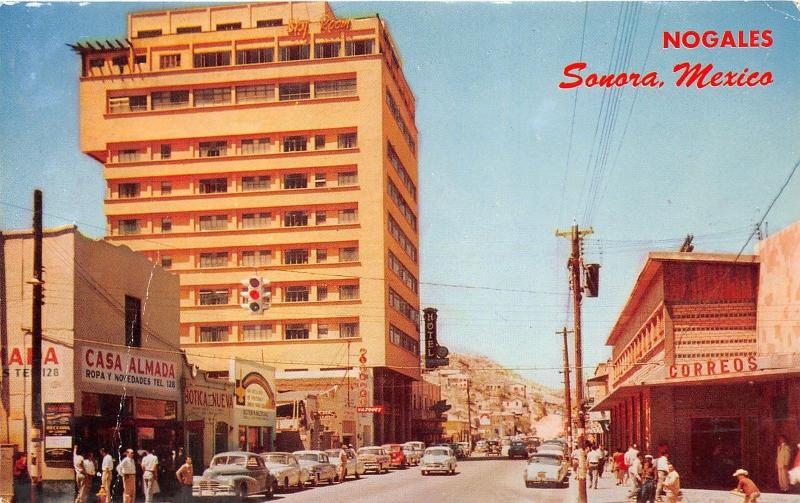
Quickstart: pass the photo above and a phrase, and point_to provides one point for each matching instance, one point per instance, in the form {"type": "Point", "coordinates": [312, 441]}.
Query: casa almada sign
{"type": "Point", "coordinates": [127, 368]}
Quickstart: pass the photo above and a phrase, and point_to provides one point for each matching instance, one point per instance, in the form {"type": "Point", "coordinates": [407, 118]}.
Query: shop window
{"type": "Point", "coordinates": [133, 322]}
{"type": "Point", "coordinates": [719, 439]}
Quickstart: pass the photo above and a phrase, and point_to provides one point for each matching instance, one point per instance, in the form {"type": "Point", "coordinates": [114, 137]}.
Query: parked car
{"type": "Point", "coordinates": [517, 449]}
{"type": "Point", "coordinates": [396, 455]}
{"type": "Point", "coordinates": [480, 446]}
{"type": "Point", "coordinates": [319, 467]}
{"type": "Point", "coordinates": [237, 473]}
{"type": "Point", "coordinates": [550, 449]}
{"type": "Point", "coordinates": [438, 459]}
{"type": "Point", "coordinates": [493, 448]}
{"type": "Point", "coordinates": [465, 448]}
{"type": "Point", "coordinates": [286, 470]}
{"type": "Point", "coordinates": [355, 466]}
{"type": "Point", "coordinates": [375, 458]}
{"type": "Point", "coordinates": [546, 469]}
{"type": "Point", "coordinates": [413, 452]}
{"type": "Point", "coordinates": [457, 450]}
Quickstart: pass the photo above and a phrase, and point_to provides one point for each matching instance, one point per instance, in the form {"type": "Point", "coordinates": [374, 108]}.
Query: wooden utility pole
{"type": "Point", "coordinates": [567, 394]}
{"type": "Point", "coordinates": [575, 235]}
{"type": "Point", "coordinates": [37, 424]}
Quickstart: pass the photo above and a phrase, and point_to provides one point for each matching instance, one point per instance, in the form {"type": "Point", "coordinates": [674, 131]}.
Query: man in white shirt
{"type": "Point", "coordinates": [127, 470]}
{"type": "Point", "coordinates": [81, 480]}
{"type": "Point", "coordinates": [150, 475]}
{"type": "Point", "coordinates": [593, 460]}
{"type": "Point", "coordinates": [661, 467]}
{"type": "Point", "coordinates": [635, 475]}
{"type": "Point", "coordinates": [107, 467]}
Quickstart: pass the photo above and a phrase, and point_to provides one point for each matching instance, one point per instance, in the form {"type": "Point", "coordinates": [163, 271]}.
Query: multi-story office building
{"type": "Point", "coordinates": [277, 140]}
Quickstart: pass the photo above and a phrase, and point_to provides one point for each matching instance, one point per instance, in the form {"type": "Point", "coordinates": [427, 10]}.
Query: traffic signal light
{"type": "Point", "coordinates": [256, 294]}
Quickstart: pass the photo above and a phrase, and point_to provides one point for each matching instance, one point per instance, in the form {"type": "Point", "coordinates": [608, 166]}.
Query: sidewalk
{"type": "Point", "coordinates": [608, 492]}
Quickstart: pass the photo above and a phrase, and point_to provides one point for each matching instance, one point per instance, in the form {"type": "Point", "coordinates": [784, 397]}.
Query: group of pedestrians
{"type": "Point", "coordinates": [86, 471]}
{"type": "Point", "coordinates": [650, 478]}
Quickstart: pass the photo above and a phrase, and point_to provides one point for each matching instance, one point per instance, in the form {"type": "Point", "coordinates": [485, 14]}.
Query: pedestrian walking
{"type": "Point", "coordinates": [342, 464]}
{"type": "Point", "coordinates": [149, 476]}
{"type": "Point", "coordinates": [82, 483]}
{"type": "Point", "coordinates": [91, 472]}
{"type": "Point", "coordinates": [620, 468]}
{"type": "Point", "coordinates": [630, 456]}
{"type": "Point", "coordinates": [127, 470]}
{"type": "Point", "coordinates": [661, 471]}
{"type": "Point", "coordinates": [746, 486]}
{"type": "Point", "coordinates": [22, 479]}
{"type": "Point", "coordinates": [106, 472]}
{"type": "Point", "coordinates": [593, 460]}
{"type": "Point", "coordinates": [601, 465]}
{"type": "Point", "coordinates": [782, 459]}
{"type": "Point", "coordinates": [185, 475]}
{"type": "Point", "coordinates": [635, 475]}
{"type": "Point", "coordinates": [672, 484]}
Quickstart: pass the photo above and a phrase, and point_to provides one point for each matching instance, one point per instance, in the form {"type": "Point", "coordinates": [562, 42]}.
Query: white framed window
{"type": "Point", "coordinates": [348, 330]}
{"type": "Point", "coordinates": [348, 178]}
{"type": "Point", "coordinates": [322, 292]}
{"type": "Point", "coordinates": [294, 91]}
{"type": "Point", "coordinates": [298, 293]}
{"type": "Point", "coordinates": [334, 88]}
{"type": "Point", "coordinates": [129, 226]}
{"type": "Point", "coordinates": [170, 61]}
{"type": "Point", "coordinates": [348, 292]}
{"type": "Point", "coordinates": [294, 52]}
{"type": "Point", "coordinates": [255, 258]}
{"type": "Point", "coordinates": [320, 217]}
{"type": "Point", "coordinates": [129, 155]}
{"type": "Point", "coordinates": [322, 255]}
{"type": "Point", "coordinates": [295, 181]}
{"type": "Point", "coordinates": [166, 224]}
{"type": "Point", "coordinates": [322, 331]}
{"type": "Point", "coordinates": [218, 259]}
{"type": "Point", "coordinates": [214, 334]}
{"type": "Point", "coordinates": [258, 93]}
{"type": "Point", "coordinates": [213, 297]}
{"type": "Point", "coordinates": [348, 254]}
{"type": "Point", "coordinates": [257, 332]}
{"type": "Point", "coordinates": [128, 190]}
{"type": "Point", "coordinates": [255, 183]}
{"type": "Point", "coordinates": [256, 220]}
{"type": "Point", "coordinates": [296, 331]}
{"type": "Point", "coordinates": [347, 140]}
{"type": "Point", "coordinates": [358, 47]}
{"type": "Point", "coordinates": [213, 222]}
{"type": "Point", "coordinates": [348, 216]}
{"type": "Point", "coordinates": [212, 96]}
{"type": "Point", "coordinates": [212, 148]}
{"type": "Point", "coordinates": [252, 146]}
{"type": "Point", "coordinates": [162, 100]}
{"type": "Point", "coordinates": [320, 180]}
{"type": "Point", "coordinates": [295, 256]}
{"type": "Point", "coordinates": [213, 185]}
{"type": "Point", "coordinates": [327, 50]}
{"type": "Point", "coordinates": [255, 56]}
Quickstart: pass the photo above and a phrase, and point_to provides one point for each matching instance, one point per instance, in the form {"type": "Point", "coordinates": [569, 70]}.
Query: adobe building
{"type": "Point", "coordinates": [276, 140]}
{"type": "Point", "coordinates": [706, 361]}
{"type": "Point", "coordinates": [111, 362]}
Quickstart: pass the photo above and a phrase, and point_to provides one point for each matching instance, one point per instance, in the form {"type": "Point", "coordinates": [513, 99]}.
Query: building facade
{"type": "Point", "coordinates": [112, 367]}
{"type": "Point", "coordinates": [699, 366]}
{"type": "Point", "coordinates": [274, 140]}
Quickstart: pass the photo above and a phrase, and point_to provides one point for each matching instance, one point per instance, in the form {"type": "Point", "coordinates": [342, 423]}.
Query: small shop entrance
{"type": "Point", "coordinates": [716, 450]}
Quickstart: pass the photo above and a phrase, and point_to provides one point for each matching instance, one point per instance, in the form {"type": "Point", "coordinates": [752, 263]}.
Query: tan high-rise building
{"type": "Point", "coordinates": [273, 140]}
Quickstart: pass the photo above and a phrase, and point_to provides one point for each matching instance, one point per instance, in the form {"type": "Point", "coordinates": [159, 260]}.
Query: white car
{"type": "Point", "coordinates": [438, 459]}
{"type": "Point", "coordinates": [546, 469]}
{"type": "Point", "coordinates": [375, 458]}
{"type": "Point", "coordinates": [355, 466]}
{"type": "Point", "coordinates": [286, 470]}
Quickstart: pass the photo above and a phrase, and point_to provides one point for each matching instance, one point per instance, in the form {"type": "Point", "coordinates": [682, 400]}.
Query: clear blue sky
{"type": "Point", "coordinates": [494, 141]}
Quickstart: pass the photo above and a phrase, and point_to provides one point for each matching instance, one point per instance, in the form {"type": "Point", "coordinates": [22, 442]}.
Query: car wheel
{"type": "Point", "coordinates": [300, 483]}
{"type": "Point", "coordinates": [315, 480]}
{"type": "Point", "coordinates": [333, 479]}
{"type": "Point", "coordinates": [286, 484]}
{"type": "Point", "coordinates": [271, 489]}
{"type": "Point", "coordinates": [241, 492]}
{"type": "Point", "coordinates": [452, 470]}
{"type": "Point", "coordinates": [357, 475]}
{"type": "Point", "coordinates": [424, 472]}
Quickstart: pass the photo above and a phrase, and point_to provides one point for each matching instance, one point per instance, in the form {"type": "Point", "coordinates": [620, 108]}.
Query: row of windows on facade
{"type": "Point", "coordinates": [250, 56]}
{"type": "Point", "coordinates": [401, 123]}
{"type": "Point", "coordinates": [129, 190]}
{"type": "Point", "coordinates": [402, 239]}
{"type": "Point", "coordinates": [294, 293]}
{"type": "Point", "coordinates": [249, 146]}
{"type": "Point", "coordinates": [266, 332]}
{"type": "Point", "coordinates": [259, 220]}
{"type": "Point", "coordinates": [255, 258]}
{"type": "Point", "coordinates": [401, 171]}
{"type": "Point", "coordinates": [226, 95]}
{"type": "Point", "coordinates": [261, 23]}
{"type": "Point", "coordinates": [404, 307]}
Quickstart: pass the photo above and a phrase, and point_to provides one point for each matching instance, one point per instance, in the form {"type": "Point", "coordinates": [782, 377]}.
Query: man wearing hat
{"type": "Point", "coordinates": [746, 486]}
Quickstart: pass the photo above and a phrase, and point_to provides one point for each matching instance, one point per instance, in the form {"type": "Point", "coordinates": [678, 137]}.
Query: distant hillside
{"type": "Point", "coordinates": [497, 391]}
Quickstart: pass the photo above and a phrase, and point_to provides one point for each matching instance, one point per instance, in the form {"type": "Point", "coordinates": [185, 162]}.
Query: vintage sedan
{"type": "Point", "coordinates": [237, 474]}
{"type": "Point", "coordinates": [438, 459]}
{"type": "Point", "coordinates": [319, 467]}
{"type": "Point", "coordinates": [286, 470]}
{"type": "Point", "coordinates": [355, 466]}
{"type": "Point", "coordinates": [545, 469]}
{"type": "Point", "coordinates": [413, 452]}
{"type": "Point", "coordinates": [375, 458]}
{"type": "Point", "coordinates": [396, 454]}
{"type": "Point", "coordinates": [517, 449]}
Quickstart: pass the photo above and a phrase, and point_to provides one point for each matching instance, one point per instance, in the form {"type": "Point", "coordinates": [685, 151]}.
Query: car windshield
{"type": "Point", "coordinates": [544, 460]}
{"type": "Point", "coordinates": [369, 450]}
{"type": "Point", "coordinates": [517, 444]}
{"type": "Point", "coordinates": [276, 458]}
{"type": "Point", "coordinates": [436, 452]}
{"type": "Point", "coordinates": [228, 460]}
{"type": "Point", "coordinates": [392, 448]}
{"type": "Point", "coordinates": [333, 453]}
{"type": "Point", "coordinates": [308, 456]}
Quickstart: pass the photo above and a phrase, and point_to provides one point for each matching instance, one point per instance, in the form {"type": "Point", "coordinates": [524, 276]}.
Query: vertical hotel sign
{"type": "Point", "coordinates": [435, 355]}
